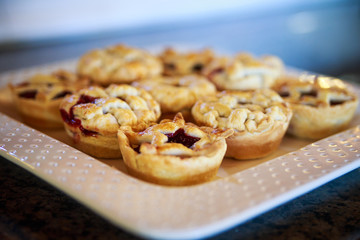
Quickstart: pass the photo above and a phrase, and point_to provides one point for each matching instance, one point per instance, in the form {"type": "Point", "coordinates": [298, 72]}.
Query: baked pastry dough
{"type": "Point", "coordinates": [244, 72]}
{"type": "Point", "coordinates": [38, 98]}
{"type": "Point", "coordinates": [173, 152]}
{"type": "Point", "coordinates": [177, 94]}
{"type": "Point", "coordinates": [178, 63]}
{"type": "Point", "coordinates": [118, 64]}
{"type": "Point", "coordinates": [93, 116]}
{"type": "Point", "coordinates": [322, 106]}
{"type": "Point", "coordinates": [259, 119]}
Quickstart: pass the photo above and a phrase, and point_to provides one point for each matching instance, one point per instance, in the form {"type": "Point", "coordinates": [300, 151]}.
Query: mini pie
{"type": "Point", "coordinates": [118, 64]}
{"type": "Point", "coordinates": [244, 72]}
{"type": "Point", "coordinates": [173, 152]}
{"type": "Point", "coordinates": [177, 94]}
{"type": "Point", "coordinates": [322, 106]}
{"type": "Point", "coordinates": [38, 98]}
{"type": "Point", "coordinates": [93, 116]}
{"type": "Point", "coordinates": [259, 119]}
{"type": "Point", "coordinates": [176, 63]}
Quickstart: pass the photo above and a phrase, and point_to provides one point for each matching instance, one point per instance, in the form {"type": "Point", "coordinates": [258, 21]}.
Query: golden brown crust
{"type": "Point", "coordinates": [259, 119]}
{"type": "Point", "coordinates": [244, 72]}
{"type": "Point", "coordinates": [40, 115]}
{"type": "Point", "coordinates": [118, 64]}
{"type": "Point", "coordinates": [242, 145]}
{"type": "Point", "coordinates": [176, 94]}
{"type": "Point", "coordinates": [322, 106]}
{"type": "Point", "coordinates": [174, 171]}
{"type": "Point", "coordinates": [172, 163]}
{"type": "Point", "coordinates": [184, 63]}
{"type": "Point", "coordinates": [93, 116]}
{"type": "Point", "coordinates": [38, 98]}
{"type": "Point", "coordinates": [98, 146]}
{"type": "Point", "coordinates": [312, 123]}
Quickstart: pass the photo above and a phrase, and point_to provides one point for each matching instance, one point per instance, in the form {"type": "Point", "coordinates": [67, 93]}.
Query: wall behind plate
{"type": "Point", "coordinates": [41, 19]}
{"type": "Point", "coordinates": [321, 35]}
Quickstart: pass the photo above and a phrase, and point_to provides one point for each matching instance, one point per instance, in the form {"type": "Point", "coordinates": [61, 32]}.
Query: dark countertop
{"type": "Point", "coordinates": [32, 209]}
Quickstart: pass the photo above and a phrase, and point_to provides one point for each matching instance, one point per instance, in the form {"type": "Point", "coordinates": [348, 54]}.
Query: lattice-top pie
{"type": "Point", "coordinates": [244, 72]}
{"type": "Point", "coordinates": [180, 63]}
{"type": "Point", "coordinates": [39, 97]}
{"type": "Point", "coordinates": [173, 152]}
{"type": "Point", "coordinates": [258, 117]}
{"type": "Point", "coordinates": [118, 64]}
{"type": "Point", "coordinates": [93, 116]}
{"type": "Point", "coordinates": [177, 94]}
{"type": "Point", "coordinates": [322, 105]}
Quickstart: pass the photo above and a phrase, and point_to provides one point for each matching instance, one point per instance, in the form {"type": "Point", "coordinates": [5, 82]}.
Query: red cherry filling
{"type": "Point", "coordinates": [336, 102]}
{"type": "Point", "coordinates": [284, 94]}
{"type": "Point", "coordinates": [69, 118]}
{"type": "Point", "coordinates": [61, 94]}
{"type": "Point", "coordinates": [137, 148]}
{"type": "Point", "coordinates": [86, 99]}
{"type": "Point", "coordinates": [170, 66]}
{"type": "Point", "coordinates": [198, 67]}
{"type": "Point", "coordinates": [31, 94]}
{"type": "Point", "coordinates": [312, 93]}
{"type": "Point", "coordinates": [181, 137]}
{"type": "Point", "coordinates": [87, 132]}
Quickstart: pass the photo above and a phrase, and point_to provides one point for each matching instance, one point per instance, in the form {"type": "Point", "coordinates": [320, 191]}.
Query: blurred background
{"type": "Point", "coordinates": [316, 35]}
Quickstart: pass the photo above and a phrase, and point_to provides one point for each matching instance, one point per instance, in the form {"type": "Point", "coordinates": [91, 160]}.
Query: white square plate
{"type": "Point", "coordinates": [241, 191]}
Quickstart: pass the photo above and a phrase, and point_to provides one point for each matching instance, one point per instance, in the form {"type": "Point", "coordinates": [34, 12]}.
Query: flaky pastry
{"type": "Point", "coordinates": [244, 72]}
{"type": "Point", "coordinates": [183, 63]}
{"type": "Point", "coordinates": [259, 119]}
{"type": "Point", "coordinates": [118, 64]}
{"type": "Point", "coordinates": [38, 98]}
{"type": "Point", "coordinates": [173, 152]}
{"type": "Point", "coordinates": [322, 106]}
{"type": "Point", "coordinates": [177, 94]}
{"type": "Point", "coordinates": [93, 116]}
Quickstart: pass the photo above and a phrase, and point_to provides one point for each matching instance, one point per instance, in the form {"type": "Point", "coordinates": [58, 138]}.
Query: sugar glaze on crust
{"type": "Point", "coordinates": [93, 116]}
{"type": "Point", "coordinates": [173, 152]}
{"type": "Point", "coordinates": [259, 119]}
